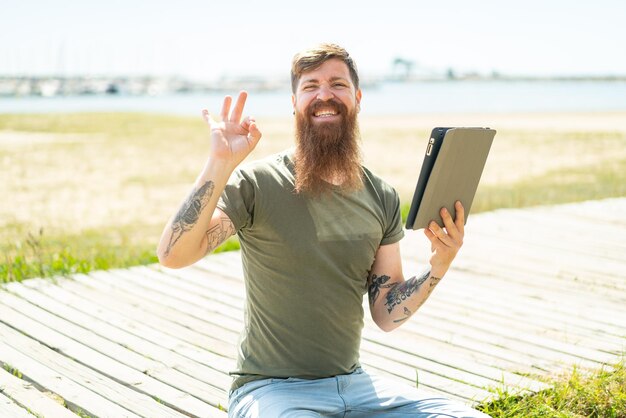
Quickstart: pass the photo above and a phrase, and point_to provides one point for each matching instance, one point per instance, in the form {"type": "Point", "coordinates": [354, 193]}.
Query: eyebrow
{"type": "Point", "coordinates": [315, 80]}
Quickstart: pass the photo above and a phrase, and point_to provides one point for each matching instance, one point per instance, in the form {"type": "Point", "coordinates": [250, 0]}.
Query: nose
{"type": "Point", "coordinates": [324, 94]}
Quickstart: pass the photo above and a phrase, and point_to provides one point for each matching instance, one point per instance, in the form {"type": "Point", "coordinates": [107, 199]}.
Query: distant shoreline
{"type": "Point", "coordinates": [388, 98]}
{"type": "Point", "coordinates": [73, 86]}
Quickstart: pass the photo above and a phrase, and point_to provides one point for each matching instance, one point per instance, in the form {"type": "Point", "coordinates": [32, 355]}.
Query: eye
{"type": "Point", "coordinates": [340, 85]}
{"type": "Point", "coordinates": [308, 87]}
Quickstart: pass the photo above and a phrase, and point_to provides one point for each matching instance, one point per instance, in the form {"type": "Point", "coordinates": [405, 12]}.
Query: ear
{"type": "Point", "coordinates": [358, 96]}
{"type": "Point", "coordinates": [293, 101]}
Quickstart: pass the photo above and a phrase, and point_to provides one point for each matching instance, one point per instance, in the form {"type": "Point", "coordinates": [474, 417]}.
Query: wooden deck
{"type": "Point", "coordinates": [532, 293]}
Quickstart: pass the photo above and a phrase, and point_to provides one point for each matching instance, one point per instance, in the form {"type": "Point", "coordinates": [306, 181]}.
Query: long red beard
{"type": "Point", "coordinates": [327, 152]}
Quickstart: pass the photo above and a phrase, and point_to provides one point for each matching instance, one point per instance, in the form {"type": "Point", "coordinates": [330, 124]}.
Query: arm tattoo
{"type": "Point", "coordinates": [189, 213]}
{"type": "Point", "coordinates": [400, 292]}
{"type": "Point", "coordinates": [407, 315]}
{"type": "Point", "coordinates": [433, 282]}
{"type": "Point", "coordinates": [376, 283]}
{"type": "Point", "coordinates": [218, 234]}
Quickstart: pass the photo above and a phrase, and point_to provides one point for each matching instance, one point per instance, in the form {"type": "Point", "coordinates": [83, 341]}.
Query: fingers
{"type": "Point", "coordinates": [434, 232]}
{"type": "Point", "coordinates": [451, 235]}
{"type": "Point", "coordinates": [226, 108]}
{"type": "Point", "coordinates": [208, 119]}
{"type": "Point", "coordinates": [245, 123]}
{"type": "Point", "coordinates": [460, 216]}
{"type": "Point", "coordinates": [235, 116]}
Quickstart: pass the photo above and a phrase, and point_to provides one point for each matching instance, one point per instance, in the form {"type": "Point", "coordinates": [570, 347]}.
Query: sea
{"type": "Point", "coordinates": [386, 98]}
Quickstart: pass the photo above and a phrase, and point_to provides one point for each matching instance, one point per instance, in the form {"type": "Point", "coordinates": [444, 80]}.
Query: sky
{"type": "Point", "coordinates": [205, 40]}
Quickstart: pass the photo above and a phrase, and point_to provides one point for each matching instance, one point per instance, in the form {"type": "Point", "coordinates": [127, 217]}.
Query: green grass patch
{"type": "Point", "coordinates": [42, 255]}
{"type": "Point", "coordinates": [9, 368]}
{"type": "Point", "coordinates": [601, 394]}
{"type": "Point", "coordinates": [555, 187]}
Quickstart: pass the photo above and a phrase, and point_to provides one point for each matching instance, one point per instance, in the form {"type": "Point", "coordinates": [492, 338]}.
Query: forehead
{"type": "Point", "coordinates": [332, 69]}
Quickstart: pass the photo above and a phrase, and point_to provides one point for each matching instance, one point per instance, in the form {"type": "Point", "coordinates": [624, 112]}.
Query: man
{"type": "Point", "coordinates": [317, 231]}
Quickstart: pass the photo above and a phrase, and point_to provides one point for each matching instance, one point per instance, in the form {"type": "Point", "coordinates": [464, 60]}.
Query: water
{"type": "Point", "coordinates": [385, 99]}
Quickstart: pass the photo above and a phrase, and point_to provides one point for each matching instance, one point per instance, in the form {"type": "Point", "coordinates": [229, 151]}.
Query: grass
{"type": "Point", "coordinates": [600, 394]}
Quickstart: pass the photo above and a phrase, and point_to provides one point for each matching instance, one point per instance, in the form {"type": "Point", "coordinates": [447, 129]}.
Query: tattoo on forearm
{"type": "Point", "coordinates": [218, 234]}
{"type": "Point", "coordinates": [399, 292]}
{"type": "Point", "coordinates": [407, 315]}
{"type": "Point", "coordinates": [189, 213]}
{"type": "Point", "coordinates": [433, 282]}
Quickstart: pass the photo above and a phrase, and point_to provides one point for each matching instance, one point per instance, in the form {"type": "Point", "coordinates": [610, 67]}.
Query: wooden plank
{"type": "Point", "coordinates": [508, 261]}
{"type": "Point", "coordinates": [114, 342]}
{"type": "Point", "coordinates": [26, 395]}
{"type": "Point", "coordinates": [458, 349]}
{"type": "Point", "coordinates": [531, 225]}
{"type": "Point", "coordinates": [514, 340]}
{"type": "Point", "coordinates": [207, 302]}
{"type": "Point", "coordinates": [230, 320]}
{"type": "Point", "coordinates": [76, 396]}
{"type": "Point", "coordinates": [179, 330]}
{"type": "Point", "coordinates": [535, 309]}
{"type": "Point", "coordinates": [525, 290]}
{"type": "Point", "coordinates": [205, 398]}
{"type": "Point", "coordinates": [414, 382]}
{"type": "Point", "coordinates": [118, 352]}
{"type": "Point", "coordinates": [8, 408]}
{"type": "Point", "coordinates": [483, 301]}
{"type": "Point", "coordinates": [426, 378]}
{"type": "Point", "coordinates": [565, 332]}
{"type": "Point", "coordinates": [476, 375]}
{"type": "Point", "coordinates": [196, 281]}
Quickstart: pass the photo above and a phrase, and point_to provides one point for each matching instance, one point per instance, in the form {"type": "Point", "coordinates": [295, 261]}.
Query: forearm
{"type": "Point", "coordinates": [186, 236]}
{"type": "Point", "coordinates": [401, 299]}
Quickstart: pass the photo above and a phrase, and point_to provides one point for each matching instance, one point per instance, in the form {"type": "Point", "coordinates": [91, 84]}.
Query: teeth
{"type": "Point", "coordinates": [323, 113]}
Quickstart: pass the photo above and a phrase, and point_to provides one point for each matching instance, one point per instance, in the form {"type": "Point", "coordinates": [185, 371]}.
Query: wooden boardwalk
{"type": "Point", "coordinates": [532, 293]}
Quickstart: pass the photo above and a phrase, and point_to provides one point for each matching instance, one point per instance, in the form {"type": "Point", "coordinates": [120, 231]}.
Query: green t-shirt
{"type": "Point", "coordinates": [305, 263]}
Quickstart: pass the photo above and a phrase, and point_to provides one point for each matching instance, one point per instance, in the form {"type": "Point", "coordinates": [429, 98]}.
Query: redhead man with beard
{"type": "Point", "coordinates": [317, 231]}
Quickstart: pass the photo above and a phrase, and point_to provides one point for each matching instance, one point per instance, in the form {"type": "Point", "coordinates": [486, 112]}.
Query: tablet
{"type": "Point", "coordinates": [451, 170]}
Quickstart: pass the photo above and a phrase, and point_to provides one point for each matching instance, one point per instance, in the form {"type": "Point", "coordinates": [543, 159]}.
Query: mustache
{"type": "Point", "coordinates": [325, 104]}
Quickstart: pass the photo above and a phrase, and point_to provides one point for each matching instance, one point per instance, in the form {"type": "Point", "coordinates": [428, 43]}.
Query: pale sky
{"type": "Point", "coordinates": [206, 39]}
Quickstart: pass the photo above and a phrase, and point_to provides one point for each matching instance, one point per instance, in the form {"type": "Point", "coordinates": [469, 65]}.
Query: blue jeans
{"type": "Point", "coordinates": [353, 395]}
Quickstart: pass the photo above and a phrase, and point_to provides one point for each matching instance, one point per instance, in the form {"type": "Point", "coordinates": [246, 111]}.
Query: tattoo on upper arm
{"type": "Point", "coordinates": [218, 234]}
{"type": "Point", "coordinates": [189, 213]}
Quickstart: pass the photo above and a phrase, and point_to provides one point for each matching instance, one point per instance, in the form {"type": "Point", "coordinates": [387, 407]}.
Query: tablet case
{"type": "Point", "coordinates": [451, 171]}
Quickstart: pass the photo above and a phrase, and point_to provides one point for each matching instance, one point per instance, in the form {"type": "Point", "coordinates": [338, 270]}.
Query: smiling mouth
{"type": "Point", "coordinates": [325, 113]}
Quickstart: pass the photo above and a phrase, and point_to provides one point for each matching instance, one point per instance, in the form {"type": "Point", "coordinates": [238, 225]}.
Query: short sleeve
{"type": "Point", "coordinates": [237, 200]}
{"type": "Point", "coordinates": [394, 231]}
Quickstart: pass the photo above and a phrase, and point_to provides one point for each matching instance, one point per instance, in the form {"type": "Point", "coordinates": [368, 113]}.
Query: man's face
{"type": "Point", "coordinates": [319, 89]}
{"type": "Point", "coordinates": [327, 138]}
